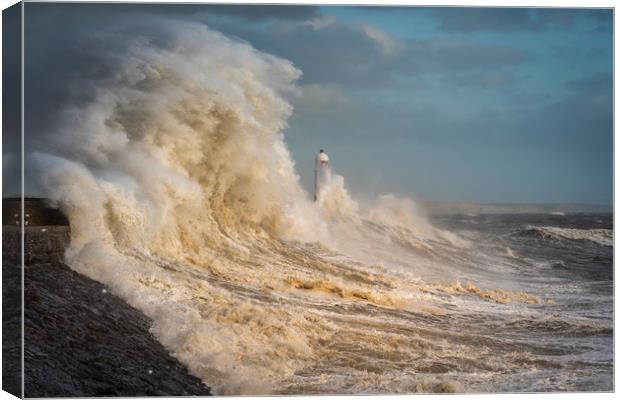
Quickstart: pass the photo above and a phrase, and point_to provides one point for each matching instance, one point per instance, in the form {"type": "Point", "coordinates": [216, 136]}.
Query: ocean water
{"type": "Point", "coordinates": [183, 198]}
{"type": "Point", "coordinates": [567, 260]}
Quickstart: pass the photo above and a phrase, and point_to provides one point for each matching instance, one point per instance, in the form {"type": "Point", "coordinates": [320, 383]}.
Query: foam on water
{"type": "Point", "coordinates": [603, 237]}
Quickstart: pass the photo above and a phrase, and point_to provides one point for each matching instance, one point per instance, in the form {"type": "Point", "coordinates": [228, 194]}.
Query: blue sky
{"type": "Point", "coordinates": [445, 104]}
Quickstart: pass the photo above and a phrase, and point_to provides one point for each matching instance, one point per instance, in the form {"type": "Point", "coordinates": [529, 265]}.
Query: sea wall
{"type": "Point", "coordinates": [42, 244]}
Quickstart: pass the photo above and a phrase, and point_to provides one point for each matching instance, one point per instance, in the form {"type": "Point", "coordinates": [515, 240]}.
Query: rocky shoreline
{"type": "Point", "coordinates": [80, 340]}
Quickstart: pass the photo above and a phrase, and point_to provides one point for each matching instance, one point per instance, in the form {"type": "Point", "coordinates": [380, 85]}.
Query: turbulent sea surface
{"type": "Point", "coordinates": [565, 341]}
{"type": "Point", "coordinates": [184, 199]}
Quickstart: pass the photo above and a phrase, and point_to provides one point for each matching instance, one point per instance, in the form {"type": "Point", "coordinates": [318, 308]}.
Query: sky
{"type": "Point", "coordinates": [441, 104]}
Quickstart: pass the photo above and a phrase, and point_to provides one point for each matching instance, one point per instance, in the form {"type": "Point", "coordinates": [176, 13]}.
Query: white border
{"type": "Point", "coordinates": [480, 3]}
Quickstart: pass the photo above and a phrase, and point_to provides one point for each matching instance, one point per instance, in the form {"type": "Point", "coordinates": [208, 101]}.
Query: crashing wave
{"type": "Point", "coordinates": [604, 237]}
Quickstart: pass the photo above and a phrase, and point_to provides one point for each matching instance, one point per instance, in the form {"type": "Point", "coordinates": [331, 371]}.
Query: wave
{"type": "Point", "coordinates": [496, 295]}
{"type": "Point", "coordinates": [551, 324]}
{"type": "Point", "coordinates": [604, 237]}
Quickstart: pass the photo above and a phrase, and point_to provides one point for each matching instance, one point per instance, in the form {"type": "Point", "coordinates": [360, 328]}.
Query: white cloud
{"type": "Point", "coordinates": [319, 97]}
{"type": "Point", "coordinates": [387, 43]}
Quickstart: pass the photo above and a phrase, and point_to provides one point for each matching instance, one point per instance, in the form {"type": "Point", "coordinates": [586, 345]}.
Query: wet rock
{"type": "Point", "coordinates": [80, 341]}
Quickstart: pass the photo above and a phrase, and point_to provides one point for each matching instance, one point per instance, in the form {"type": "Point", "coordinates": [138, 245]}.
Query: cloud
{"type": "Point", "coordinates": [474, 19]}
{"type": "Point", "coordinates": [249, 12]}
{"type": "Point", "coordinates": [487, 80]}
{"type": "Point", "coordinates": [574, 53]}
{"type": "Point", "coordinates": [601, 82]}
{"type": "Point", "coordinates": [334, 52]}
{"type": "Point", "coordinates": [388, 44]}
{"type": "Point", "coordinates": [441, 54]}
{"type": "Point", "coordinates": [321, 99]}
{"type": "Point", "coordinates": [528, 98]}
{"type": "Point", "coordinates": [328, 51]}
{"type": "Point", "coordinates": [583, 118]}
{"type": "Point", "coordinates": [264, 12]}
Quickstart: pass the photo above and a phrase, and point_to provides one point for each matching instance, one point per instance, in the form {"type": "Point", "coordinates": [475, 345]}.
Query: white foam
{"type": "Point", "coordinates": [604, 237]}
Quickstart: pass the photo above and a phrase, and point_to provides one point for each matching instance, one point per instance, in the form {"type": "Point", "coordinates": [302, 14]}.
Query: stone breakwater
{"type": "Point", "coordinates": [42, 244]}
{"type": "Point", "coordinates": [80, 340]}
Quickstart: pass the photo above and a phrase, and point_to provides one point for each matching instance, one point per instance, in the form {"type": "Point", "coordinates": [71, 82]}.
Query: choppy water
{"type": "Point", "coordinates": [565, 343]}
{"type": "Point", "coordinates": [544, 324]}
{"type": "Point", "coordinates": [509, 308]}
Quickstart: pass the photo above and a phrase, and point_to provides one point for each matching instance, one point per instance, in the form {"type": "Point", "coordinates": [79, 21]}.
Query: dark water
{"type": "Point", "coordinates": [567, 260]}
{"type": "Point", "coordinates": [577, 248]}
